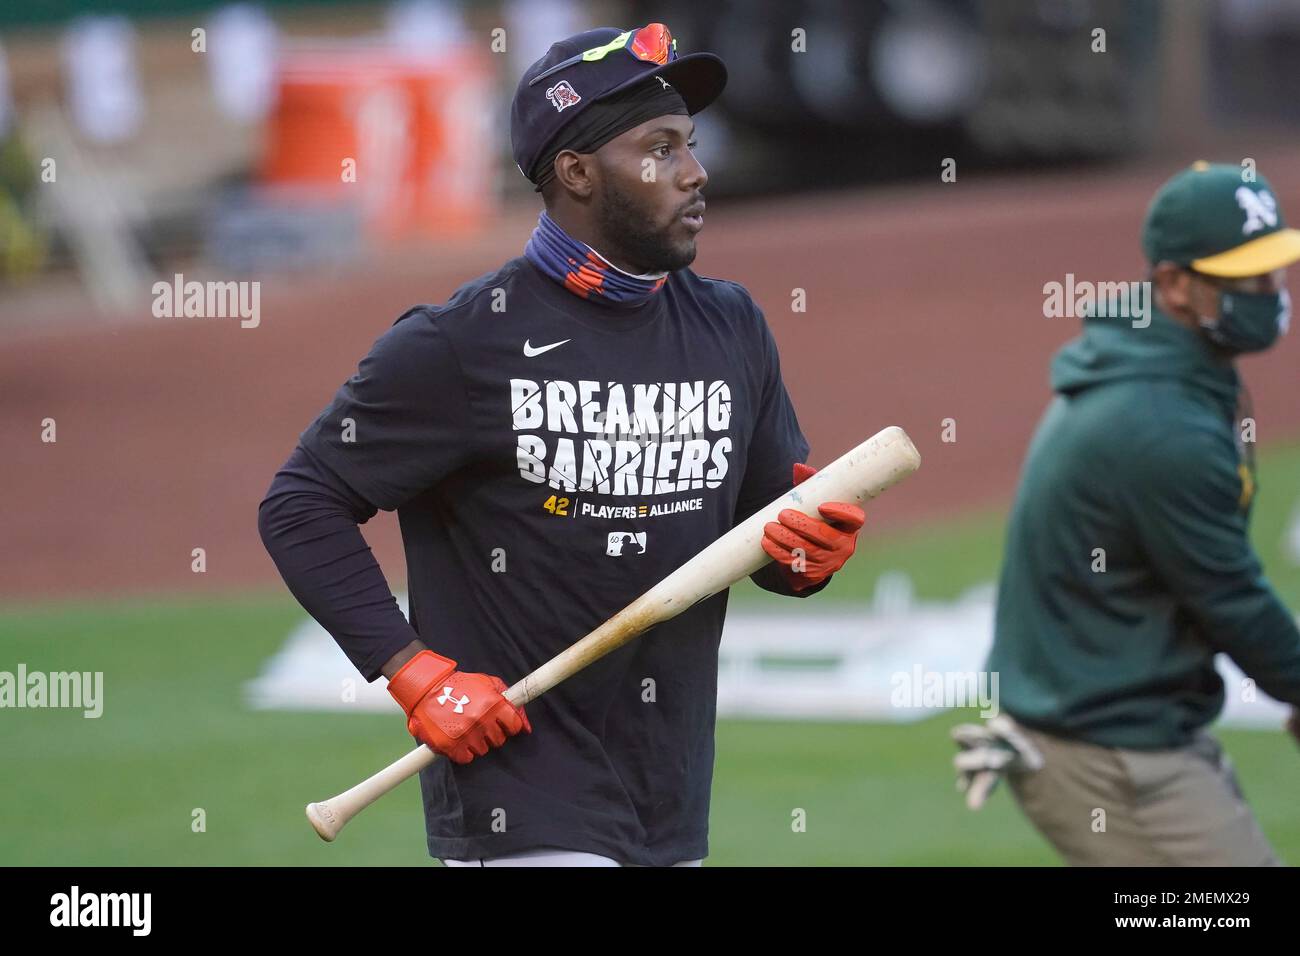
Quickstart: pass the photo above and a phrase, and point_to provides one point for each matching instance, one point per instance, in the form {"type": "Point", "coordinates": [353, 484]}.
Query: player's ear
{"type": "Point", "coordinates": [573, 171]}
{"type": "Point", "coordinates": [1173, 284]}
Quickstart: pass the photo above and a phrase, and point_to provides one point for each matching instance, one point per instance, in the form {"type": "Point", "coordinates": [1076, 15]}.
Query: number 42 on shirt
{"type": "Point", "coordinates": [557, 506]}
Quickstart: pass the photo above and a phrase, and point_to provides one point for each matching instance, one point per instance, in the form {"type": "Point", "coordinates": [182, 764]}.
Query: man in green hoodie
{"type": "Point", "coordinates": [1128, 565]}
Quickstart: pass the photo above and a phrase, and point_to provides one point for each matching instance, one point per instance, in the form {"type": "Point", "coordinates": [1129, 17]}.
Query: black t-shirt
{"type": "Point", "coordinates": [550, 459]}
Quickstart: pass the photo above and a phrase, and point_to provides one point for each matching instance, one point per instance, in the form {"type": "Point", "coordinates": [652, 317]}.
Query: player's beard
{"type": "Point", "coordinates": [629, 228]}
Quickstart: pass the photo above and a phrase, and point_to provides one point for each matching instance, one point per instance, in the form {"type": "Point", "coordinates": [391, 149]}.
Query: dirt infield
{"type": "Point", "coordinates": [924, 303]}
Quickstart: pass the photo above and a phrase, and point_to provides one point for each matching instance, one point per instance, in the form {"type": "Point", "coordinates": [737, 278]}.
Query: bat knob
{"type": "Point", "coordinates": [323, 821]}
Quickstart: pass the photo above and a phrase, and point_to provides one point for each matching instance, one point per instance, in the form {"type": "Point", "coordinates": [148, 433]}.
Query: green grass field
{"type": "Point", "coordinates": [176, 737]}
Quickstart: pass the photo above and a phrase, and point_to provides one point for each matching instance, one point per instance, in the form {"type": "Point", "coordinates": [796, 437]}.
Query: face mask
{"type": "Point", "coordinates": [1249, 321]}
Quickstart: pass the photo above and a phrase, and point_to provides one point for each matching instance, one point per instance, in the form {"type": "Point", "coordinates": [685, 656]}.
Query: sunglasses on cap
{"type": "Point", "coordinates": [652, 43]}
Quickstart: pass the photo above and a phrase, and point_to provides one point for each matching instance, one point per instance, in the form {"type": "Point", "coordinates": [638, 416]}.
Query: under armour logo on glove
{"type": "Point", "coordinates": [447, 695]}
{"type": "Point", "coordinates": [467, 731]}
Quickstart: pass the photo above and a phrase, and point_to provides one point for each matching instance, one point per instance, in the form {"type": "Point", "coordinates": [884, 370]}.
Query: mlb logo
{"type": "Point", "coordinates": [562, 96]}
{"type": "Point", "coordinates": [622, 543]}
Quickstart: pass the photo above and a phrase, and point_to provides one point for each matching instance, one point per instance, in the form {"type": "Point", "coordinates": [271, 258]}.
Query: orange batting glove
{"type": "Point", "coordinates": [460, 715]}
{"type": "Point", "coordinates": [810, 550]}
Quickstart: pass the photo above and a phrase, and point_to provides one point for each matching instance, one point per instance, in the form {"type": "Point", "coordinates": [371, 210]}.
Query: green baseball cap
{"type": "Point", "coordinates": [1218, 221]}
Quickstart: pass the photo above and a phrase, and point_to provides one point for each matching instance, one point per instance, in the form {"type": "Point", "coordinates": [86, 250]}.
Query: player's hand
{"type": "Point", "coordinates": [461, 716]}
{"type": "Point", "coordinates": [1293, 724]}
{"type": "Point", "coordinates": [808, 549]}
{"type": "Point", "coordinates": [989, 750]}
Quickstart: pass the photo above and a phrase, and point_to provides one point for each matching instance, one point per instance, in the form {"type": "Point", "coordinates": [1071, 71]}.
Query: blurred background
{"type": "Point", "coordinates": [918, 169]}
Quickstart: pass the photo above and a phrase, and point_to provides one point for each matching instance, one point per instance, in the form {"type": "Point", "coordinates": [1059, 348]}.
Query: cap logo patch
{"type": "Point", "coordinates": [562, 96]}
{"type": "Point", "coordinates": [1260, 209]}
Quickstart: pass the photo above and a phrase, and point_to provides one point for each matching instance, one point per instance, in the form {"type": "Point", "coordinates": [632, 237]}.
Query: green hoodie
{"type": "Point", "coordinates": [1136, 468]}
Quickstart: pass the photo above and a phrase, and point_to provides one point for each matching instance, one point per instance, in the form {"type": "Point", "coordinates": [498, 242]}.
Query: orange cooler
{"type": "Point", "coordinates": [407, 139]}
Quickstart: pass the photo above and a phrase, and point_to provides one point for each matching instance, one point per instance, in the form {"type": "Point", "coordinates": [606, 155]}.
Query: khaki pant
{"type": "Point", "coordinates": [1103, 806]}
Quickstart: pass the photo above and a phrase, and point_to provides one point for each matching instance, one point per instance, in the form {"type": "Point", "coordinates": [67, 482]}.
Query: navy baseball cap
{"type": "Point", "coordinates": [590, 66]}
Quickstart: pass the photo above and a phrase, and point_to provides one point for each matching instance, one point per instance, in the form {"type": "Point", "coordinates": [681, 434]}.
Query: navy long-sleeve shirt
{"type": "Point", "coordinates": [549, 459]}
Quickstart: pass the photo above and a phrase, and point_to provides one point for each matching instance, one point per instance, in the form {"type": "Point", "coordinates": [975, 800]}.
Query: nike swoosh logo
{"type": "Point", "coordinates": [530, 351]}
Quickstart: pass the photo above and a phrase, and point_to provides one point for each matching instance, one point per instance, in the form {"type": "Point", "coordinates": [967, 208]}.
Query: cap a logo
{"type": "Point", "coordinates": [1260, 209]}
{"type": "Point", "coordinates": [562, 96]}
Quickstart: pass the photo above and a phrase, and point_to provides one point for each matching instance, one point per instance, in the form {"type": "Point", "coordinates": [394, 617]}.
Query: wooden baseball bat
{"type": "Point", "coordinates": [857, 476]}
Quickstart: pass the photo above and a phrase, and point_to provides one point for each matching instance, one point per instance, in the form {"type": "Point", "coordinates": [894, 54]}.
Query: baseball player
{"type": "Point", "coordinates": [558, 437]}
{"type": "Point", "coordinates": [1128, 565]}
